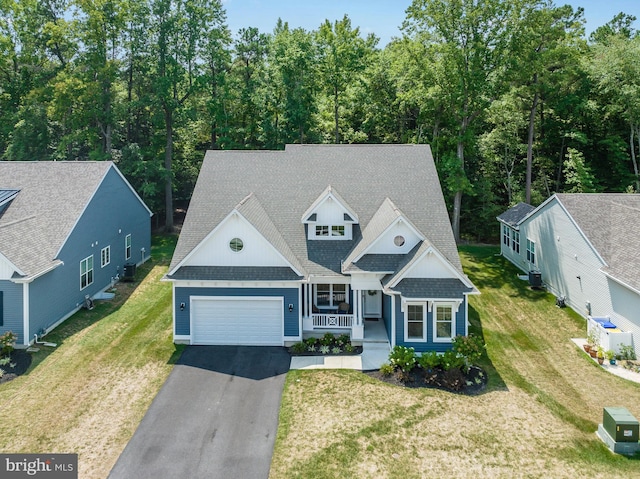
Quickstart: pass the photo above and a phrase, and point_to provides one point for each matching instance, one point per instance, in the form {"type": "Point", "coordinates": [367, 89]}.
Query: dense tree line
{"type": "Point", "coordinates": [514, 100]}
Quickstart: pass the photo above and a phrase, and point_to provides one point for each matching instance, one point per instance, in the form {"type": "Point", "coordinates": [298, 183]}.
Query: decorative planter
{"type": "Point", "coordinates": [600, 360]}
{"type": "Point", "coordinates": [593, 353]}
{"type": "Point", "coordinates": [587, 347]}
{"type": "Point", "coordinates": [612, 362]}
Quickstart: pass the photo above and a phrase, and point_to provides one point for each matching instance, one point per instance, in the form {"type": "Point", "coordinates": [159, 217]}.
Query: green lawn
{"type": "Point", "coordinates": [537, 417]}
{"type": "Point", "coordinates": [88, 395]}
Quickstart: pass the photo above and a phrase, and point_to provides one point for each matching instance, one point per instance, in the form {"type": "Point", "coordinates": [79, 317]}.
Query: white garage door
{"type": "Point", "coordinates": [233, 320]}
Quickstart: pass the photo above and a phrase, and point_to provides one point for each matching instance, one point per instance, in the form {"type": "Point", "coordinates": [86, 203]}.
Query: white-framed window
{"type": "Point", "coordinates": [515, 241]}
{"type": "Point", "coordinates": [105, 256]}
{"type": "Point", "coordinates": [531, 251]}
{"type": "Point", "coordinates": [505, 235]}
{"type": "Point", "coordinates": [444, 322]}
{"type": "Point", "coordinates": [236, 245]}
{"type": "Point", "coordinates": [127, 247]}
{"type": "Point", "coordinates": [329, 296]}
{"type": "Point", "coordinates": [415, 327]}
{"type": "Point", "coordinates": [330, 232]}
{"type": "Point", "coordinates": [86, 272]}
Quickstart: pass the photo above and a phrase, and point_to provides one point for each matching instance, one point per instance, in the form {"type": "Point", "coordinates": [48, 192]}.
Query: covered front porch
{"type": "Point", "coordinates": [335, 306]}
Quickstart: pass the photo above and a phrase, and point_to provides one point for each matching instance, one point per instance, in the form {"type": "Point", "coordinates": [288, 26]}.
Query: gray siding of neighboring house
{"type": "Point", "coordinates": [113, 213]}
{"type": "Point", "coordinates": [508, 251]}
{"type": "Point", "coordinates": [568, 263]}
{"type": "Point", "coordinates": [570, 267]}
{"type": "Point", "coordinates": [429, 345]}
{"type": "Point", "coordinates": [12, 316]}
{"type": "Point", "coordinates": [290, 295]}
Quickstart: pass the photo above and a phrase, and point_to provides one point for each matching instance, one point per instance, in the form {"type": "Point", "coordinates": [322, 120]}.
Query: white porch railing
{"type": "Point", "coordinates": [332, 320]}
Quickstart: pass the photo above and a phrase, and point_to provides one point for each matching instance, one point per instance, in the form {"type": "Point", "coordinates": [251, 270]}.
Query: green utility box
{"type": "Point", "coordinates": [620, 424]}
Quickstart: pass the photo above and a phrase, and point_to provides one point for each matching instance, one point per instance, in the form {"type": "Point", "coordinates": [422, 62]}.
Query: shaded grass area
{"type": "Point", "coordinates": [88, 395]}
{"type": "Point", "coordinates": [536, 418]}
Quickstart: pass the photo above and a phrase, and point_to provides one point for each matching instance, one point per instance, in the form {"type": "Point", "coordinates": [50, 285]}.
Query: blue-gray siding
{"type": "Point", "coordinates": [113, 213]}
{"type": "Point", "coordinates": [290, 295]}
{"type": "Point", "coordinates": [428, 345]}
{"type": "Point", "coordinates": [12, 309]}
{"type": "Point", "coordinates": [386, 314]}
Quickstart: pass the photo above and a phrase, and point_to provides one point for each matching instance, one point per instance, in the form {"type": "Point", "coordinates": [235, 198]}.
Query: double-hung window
{"type": "Point", "coordinates": [515, 241]}
{"type": "Point", "coordinates": [86, 272]}
{"type": "Point", "coordinates": [531, 251]}
{"type": "Point", "coordinates": [505, 235]}
{"type": "Point", "coordinates": [444, 322]}
{"type": "Point", "coordinates": [415, 327]}
{"type": "Point", "coordinates": [127, 247]}
{"type": "Point", "coordinates": [105, 256]}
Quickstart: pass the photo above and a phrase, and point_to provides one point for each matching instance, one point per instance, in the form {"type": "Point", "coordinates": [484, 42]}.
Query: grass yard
{"type": "Point", "coordinates": [537, 417]}
{"type": "Point", "coordinates": [88, 395]}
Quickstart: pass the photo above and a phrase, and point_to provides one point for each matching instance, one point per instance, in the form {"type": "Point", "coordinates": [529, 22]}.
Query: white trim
{"type": "Point", "coordinates": [237, 298]}
{"type": "Point", "coordinates": [544, 204]}
{"type": "Point", "coordinates": [443, 260]}
{"type": "Point", "coordinates": [234, 284]}
{"type": "Point", "coordinates": [399, 219]}
{"type": "Point", "coordinates": [454, 310]}
{"type": "Point", "coordinates": [393, 320]}
{"type": "Point", "coordinates": [324, 196]}
{"type": "Point", "coordinates": [235, 211]}
{"type": "Point", "coordinates": [29, 279]}
{"type": "Point", "coordinates": [5, 259]}
{"type": "Point", "coordinates": [128, 236]}
{"type": "Point", "coordinates": [87, 272]}
{"type": "Point", "coordinates": [108, 249]}
{"type": "Point", "coordinates": [300, 312]}
{"type": "Point", "coordinates": [422, 339]}
{"type": "Point", "coordinates": [620, 282]}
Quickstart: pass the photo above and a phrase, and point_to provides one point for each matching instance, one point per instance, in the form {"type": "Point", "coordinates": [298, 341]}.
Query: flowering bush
{"type": "Point", "coordinates": [403, 358]}
{"type": "Point", "coordinates": [470, 347]}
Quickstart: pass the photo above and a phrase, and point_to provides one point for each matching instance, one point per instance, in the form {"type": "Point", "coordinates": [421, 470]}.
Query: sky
{"type": "Point", "coordinates": [382, 17]}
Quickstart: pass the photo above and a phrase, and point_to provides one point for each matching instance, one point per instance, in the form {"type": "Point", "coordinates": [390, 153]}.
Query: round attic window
{"type": "Point", "coordinates": [398, 241]}
{"type": "Point", "coordinates": [236, 245]}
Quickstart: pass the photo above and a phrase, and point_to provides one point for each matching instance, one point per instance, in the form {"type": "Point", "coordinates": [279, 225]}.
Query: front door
{"type": "Point", "coordinates": [372, 304]}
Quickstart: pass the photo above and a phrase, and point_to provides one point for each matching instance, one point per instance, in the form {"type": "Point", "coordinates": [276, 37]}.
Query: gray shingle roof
{"type": "Point", "coordinates": [611, 222]}
{"type": "Point", "coordinates": [52, 197]}
{"type": "Point", "coordinates": [287, 182]}
{"type": "Point", "coordinates": [516, 214]}
{"type": "Point", "coordinates": [235, 273]}
{"type": "Point", "coordinates": [376, 263]}
{"type": "Point", "coordinates": [437, 288]}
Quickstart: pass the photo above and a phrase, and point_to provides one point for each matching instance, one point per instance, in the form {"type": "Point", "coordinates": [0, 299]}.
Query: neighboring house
{"type": "Point", "coordinates": [281, 244]}
{"type": "Point", "coordinates": [67, 229]}
{"type": "Point", "coordinates": [587, 249]}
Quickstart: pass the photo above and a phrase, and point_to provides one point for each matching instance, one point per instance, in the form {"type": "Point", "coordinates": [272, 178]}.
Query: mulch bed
{"type": "Point", "coordinates": [22, 360]}
{"type": "Point", "coordinates": [454, 380]}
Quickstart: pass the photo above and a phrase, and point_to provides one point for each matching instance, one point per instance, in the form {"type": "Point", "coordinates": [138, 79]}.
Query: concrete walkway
{"type": "Point", "coordinates": [610, 368]}
{"type": "Point", "coordinates": [375, 352]}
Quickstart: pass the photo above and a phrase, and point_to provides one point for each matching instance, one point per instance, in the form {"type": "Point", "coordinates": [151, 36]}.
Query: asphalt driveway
{"type": "Point", "coordinates": [215, 417]}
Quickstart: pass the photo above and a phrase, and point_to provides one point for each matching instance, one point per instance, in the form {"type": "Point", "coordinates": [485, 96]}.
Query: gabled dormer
{"type": "Point", "coordinates": [330, 217]}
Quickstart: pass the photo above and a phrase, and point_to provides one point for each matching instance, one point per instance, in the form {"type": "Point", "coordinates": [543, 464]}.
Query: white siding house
{"type": "Point", "coordinates": [587, 249]}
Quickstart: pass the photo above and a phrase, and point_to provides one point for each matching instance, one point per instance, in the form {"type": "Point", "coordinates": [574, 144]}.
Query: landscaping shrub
{"type": "Point", "coordinates": [452, 360]}
{"type": "Point", "coordinates": [7, 340]}
{"type": "Point", "coordinates": [403, 358]}
{"type": "Point", "coordinates": [327, 339]}
{"type": "Point", "coordinates": [430, 360]}
{"type": "Point", "coordinates": [386, 369]}
{"type": "Point", "coordinates": [470, 348]}
{"type": "Point", "coordinates": [299, 347]}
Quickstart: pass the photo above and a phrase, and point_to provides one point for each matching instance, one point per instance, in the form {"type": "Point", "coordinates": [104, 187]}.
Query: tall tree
{"type": "Point", "coordinates": [342, 54]}
{"type": "Point", "coordinates": [471, 41]}
{"type": "Point", "coordinates": [180, 28]}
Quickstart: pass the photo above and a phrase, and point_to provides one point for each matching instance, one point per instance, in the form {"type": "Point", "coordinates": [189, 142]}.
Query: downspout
{"type": "Point", "coordinates": [25, 314]}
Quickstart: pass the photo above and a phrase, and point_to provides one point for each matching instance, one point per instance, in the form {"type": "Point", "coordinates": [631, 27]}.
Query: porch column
{"type": "Point", "coordinates": [356, 304]}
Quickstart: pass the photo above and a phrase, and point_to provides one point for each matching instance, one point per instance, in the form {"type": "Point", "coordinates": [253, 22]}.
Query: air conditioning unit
{"type": "Point", "coordinates": [129, 272]}
{"type": "Point", "coordinates": [535, 279]}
